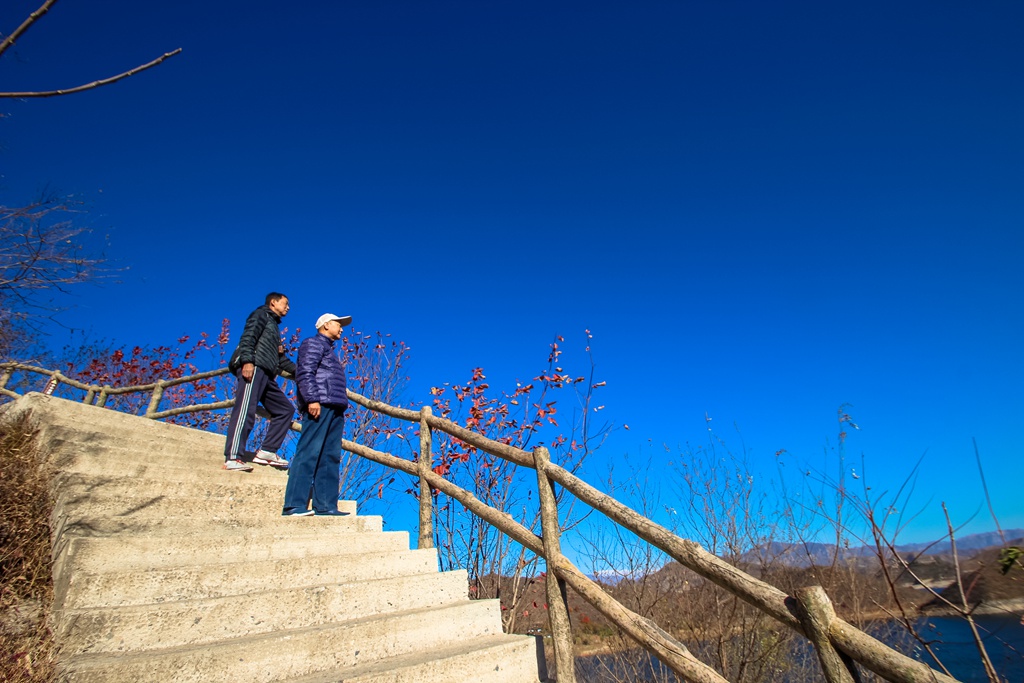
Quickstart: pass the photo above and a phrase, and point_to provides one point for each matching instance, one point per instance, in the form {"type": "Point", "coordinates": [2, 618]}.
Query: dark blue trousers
{"type": "Point", "coordinates": [262, 389]}
{"type": "Point", "coordinates": [314, 469]}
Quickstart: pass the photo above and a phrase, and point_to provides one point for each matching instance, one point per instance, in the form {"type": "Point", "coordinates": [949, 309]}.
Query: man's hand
{"type": "Point", "coordinates": [314, 410]}
{"type": "Point", "coordinates": [247, 371]}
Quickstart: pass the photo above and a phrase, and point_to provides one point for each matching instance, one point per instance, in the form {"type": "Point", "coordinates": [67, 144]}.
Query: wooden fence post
{"type": "Point", "coordinates": [6, 377]}
{"type": "Point", "coordinates": [423, 464]}
{"type": "Point", "coordinates": [554, 586]}
{"type": "Point", "coordinates": [104, 392]}
{"type": "Point", "coordinates": [89, 396]}
{"type": "Point", "coordinates": [816, 614]}
{"type": "Point", "coordinates": [154, 402]}
{"type": "Point", "coordinates": [52, 383]}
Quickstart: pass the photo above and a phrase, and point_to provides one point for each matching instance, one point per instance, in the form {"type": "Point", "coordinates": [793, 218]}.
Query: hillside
{"type": "Point", "coordinates": [986, 589]}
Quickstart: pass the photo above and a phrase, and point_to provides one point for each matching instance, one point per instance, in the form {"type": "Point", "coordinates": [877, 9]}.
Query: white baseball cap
{"type": "Point", "coordinates": [328, 317]}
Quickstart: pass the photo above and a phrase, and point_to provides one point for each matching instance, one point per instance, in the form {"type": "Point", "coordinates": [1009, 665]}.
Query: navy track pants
{"type": "Point", "coordinates": [262, 389]}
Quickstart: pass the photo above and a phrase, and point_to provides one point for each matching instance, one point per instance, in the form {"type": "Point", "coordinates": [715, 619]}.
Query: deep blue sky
{"type": "Point", "coordinates": [761, 210]}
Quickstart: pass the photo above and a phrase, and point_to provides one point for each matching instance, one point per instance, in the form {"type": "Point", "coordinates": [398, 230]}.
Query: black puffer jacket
{"type": "Point", "coordinates": [259, 345]}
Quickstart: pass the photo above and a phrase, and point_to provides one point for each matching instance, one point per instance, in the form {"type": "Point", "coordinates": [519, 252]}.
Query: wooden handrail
{"type": "Point", "coordinates": [837, 642]}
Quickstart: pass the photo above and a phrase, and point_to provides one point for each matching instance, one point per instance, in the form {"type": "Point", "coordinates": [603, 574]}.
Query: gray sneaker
{"type": "Point", "coordinates": [237, 466]}
{"type": "Point", "coordinates": [268, 458]}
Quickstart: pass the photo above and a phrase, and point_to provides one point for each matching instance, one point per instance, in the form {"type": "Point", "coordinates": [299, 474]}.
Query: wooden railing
{"type": "Point", "coordinates": [96, 394]}
{"type": "Point", "coordinates": [839, 645]}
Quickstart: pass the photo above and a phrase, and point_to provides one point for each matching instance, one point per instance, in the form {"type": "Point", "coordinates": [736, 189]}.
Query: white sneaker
{"type": "Point", "coordinates": [268, 458]}
{"type": "Point", "coordinates": [237, 466]}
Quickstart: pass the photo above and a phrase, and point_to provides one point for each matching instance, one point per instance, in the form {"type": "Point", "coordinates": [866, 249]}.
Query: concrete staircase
{"type": "Point", "coordinates": [167, 568]}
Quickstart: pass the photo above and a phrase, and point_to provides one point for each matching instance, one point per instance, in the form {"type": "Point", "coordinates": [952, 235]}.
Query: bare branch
{"type": "Point", "coordinates": [984, 487]}
{"type": "Point", "coordinates": [94, 84]}
{"type": "Point", "coordinates": [37, 253]}
{"type": "Point", "coordinates": [32, 18]}
{"type": "Point", "coordinates": [40, 250]}
{"type": "Point", "coordinates": [990, 670]}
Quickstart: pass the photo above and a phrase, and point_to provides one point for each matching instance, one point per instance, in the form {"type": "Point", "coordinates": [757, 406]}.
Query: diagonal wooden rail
{"type": "Point", "coordinates": [840, 646]}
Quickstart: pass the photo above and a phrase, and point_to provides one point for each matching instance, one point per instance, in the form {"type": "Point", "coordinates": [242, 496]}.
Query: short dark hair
{"type": "Point", "coordinates": [274, 296]}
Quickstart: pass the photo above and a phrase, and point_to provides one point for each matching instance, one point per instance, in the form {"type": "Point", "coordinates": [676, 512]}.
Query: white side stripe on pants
{"type": "Point", "coordinates": [243, 414]}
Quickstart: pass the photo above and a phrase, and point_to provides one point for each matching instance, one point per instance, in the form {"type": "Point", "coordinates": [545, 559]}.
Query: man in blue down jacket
{"type": "Point", "coordinates": [320, 380]}
{"type": "Point", "coordinates": [256, 362]}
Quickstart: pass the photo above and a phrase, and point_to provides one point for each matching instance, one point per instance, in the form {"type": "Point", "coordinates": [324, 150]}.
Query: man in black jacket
{"type": "Point", "coordinates": [256, 363]}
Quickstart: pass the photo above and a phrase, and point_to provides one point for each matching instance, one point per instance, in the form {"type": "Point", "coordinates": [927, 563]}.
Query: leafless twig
{"type": "Point", "coordinates": [990, 670]}
{"type": "Point", "coordinates": [37, 252]}
{"type": "Point", "coordinates": [32, 18]}
{"type": "Point", "coordinates": [94, 84]}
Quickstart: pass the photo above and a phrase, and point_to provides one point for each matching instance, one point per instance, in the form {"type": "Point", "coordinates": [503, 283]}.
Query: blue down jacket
{"type": "Point", "coordinates": [319, 375]}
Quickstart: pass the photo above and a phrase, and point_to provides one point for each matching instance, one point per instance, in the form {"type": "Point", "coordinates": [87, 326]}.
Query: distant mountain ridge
{"type": "Point", "coordinates": [804, 554]}
{"type": "Point", "coordinates": [967, 544]}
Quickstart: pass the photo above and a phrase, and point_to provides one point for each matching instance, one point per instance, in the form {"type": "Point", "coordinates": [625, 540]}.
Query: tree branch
{"type": "Point", "coordinates": [94, 84]}
{"type": "Point", "coordinates": [9, 40]}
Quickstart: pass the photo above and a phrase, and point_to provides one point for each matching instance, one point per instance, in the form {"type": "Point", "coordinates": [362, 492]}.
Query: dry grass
{"type": "Point", "coordinates": [26, 587]}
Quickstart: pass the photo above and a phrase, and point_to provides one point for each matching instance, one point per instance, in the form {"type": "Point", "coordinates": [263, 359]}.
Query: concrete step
{"type": "Point", "coordinates": [300, 652]}
{"type": "Point", "coordinates": [495, 659]}
{"type": "Point", "coordinates": [47, 410]}
{"type": "Point", "coordinates": [56, 415]}
{"type": "Point", "coordinates": [203, 485]}
{"type": "Point", "coordinates": [199, 469]}
{"type": "Point", "coordinates": [101, 427]}
{"type": "Point", "coordinates": [196, 621]}
{"type": "Point", "coordinates": [98, 555]}
{"type": "Point", "coordinates": [147, 432]}
{"type": "Point", "coordinates": [162, 519]}
{"type": "Point", "coordinates": [235, 501]}
{"type": "Point", "coordinates": [132, 587]}
{"type": "Point", "coordinates": [73, 426]}
{"type": "Point", "coordinates": [101, 455]}
{"type": "Point", "coordinates": [183, 464]}
{"type": "Point", "coordinates": [158, 526]}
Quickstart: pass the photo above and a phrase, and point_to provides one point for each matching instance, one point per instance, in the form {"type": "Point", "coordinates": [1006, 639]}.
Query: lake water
{"type": "Point", "coordinates": [1003, 637]}
{"type": "Point", "coordinates": [1004, 641]}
